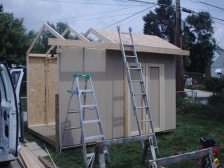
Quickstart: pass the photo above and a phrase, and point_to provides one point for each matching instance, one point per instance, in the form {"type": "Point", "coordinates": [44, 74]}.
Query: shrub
{"type": "Point", "coordinates": [216, 99]}
{"type": "Point", "coordinates": [214, 84]}
{"type": "Point", "coordinates": [193, 87]}
{"type": "Point", "coordinates": [213, 110]}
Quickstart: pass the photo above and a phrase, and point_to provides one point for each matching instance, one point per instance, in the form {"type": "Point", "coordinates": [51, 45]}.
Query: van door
{"type": "Point", "coordinates": [17, 76]}
{"type": "Point", "coordinates": [8, 116]}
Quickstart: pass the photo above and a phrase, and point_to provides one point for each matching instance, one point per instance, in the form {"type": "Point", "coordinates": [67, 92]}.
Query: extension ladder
{"type": "Point", "coordinates": [138, 93]}
{"type": "Point", "coordinates": [82, 95]}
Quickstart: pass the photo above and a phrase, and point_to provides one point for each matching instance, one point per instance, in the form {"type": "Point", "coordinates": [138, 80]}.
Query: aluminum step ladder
{"type": "Point", "coordinates": [84, 93]}
{"type": "Point", "coordinates": [137, 86]}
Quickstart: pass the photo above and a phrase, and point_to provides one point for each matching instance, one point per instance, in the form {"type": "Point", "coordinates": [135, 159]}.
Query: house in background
{"type": "Point", "coordinates": [217, 68]}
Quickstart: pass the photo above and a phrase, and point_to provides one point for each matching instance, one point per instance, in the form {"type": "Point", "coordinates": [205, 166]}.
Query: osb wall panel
{"type": "Point", "coordinates": [52, 89]}
{"type": "Point", "coordinates": [36, 91]}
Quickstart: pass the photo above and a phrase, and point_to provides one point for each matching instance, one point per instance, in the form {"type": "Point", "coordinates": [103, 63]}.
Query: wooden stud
{"type": "Point", "coordinates": [125, 104]}
{"type": "Point", "coordinates": [46, 91]}
{"type": "Point", "coordinates": [57, 144]}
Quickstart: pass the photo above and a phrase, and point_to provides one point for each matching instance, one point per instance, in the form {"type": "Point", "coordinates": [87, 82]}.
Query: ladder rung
{"type": "Point", "coordinates": [90, 121]}
{"type": "Point", "coordinates": [141, 107]}
{"type": "Point", "coordinates": [72, 111]}
{"type": "Point", "coordinates": [131, 56]}
{"type": "Point", "coordinates": [135, 68]}
{"type": "Point", "coordinates": [137, 94]}
{"type": "Point", "coordinates": [88, 106]}
{"type": "Point", "coordinates": [85, 91]}
{"type": "Point", "coordinates": [124, 33]}
{"type": "Point", "coordinates": [141, 121]}
{"type": "Point", "coordinates": [72, 128]}
{"type": "Point", "coordinates": [93, 137]}
{"type": "Point", "coordinates": [125, 44]}
{"type": "Point", "coordinates": [136, 80]}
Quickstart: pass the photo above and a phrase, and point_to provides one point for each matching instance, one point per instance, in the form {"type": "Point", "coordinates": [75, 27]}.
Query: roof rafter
{"type": "Point", "coordinates": [52, 31]}
{"type": "Point", "coordinates": [81, 37]}
{"type": "Point", "coordinates": [101, 38]}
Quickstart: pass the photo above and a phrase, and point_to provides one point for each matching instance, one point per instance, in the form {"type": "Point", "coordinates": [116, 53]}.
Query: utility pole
{"type": "Point", "coordinates": [178, 43]}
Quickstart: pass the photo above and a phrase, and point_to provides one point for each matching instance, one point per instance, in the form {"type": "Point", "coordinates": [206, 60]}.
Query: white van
{"type": "Point", "coordinates": [11, 122]}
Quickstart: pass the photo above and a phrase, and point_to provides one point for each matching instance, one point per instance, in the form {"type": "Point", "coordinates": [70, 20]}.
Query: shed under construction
{"type": "Point", "coordinates": [49, 78]}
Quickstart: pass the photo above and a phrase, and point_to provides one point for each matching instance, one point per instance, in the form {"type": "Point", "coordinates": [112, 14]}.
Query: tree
{"type": "Point", "coordinates": [198, 39]}
{"type": "Point", "coordinates": [197, 35]}
{"type": "Point", "coordinates": [42, 44]}
{"type": "Point", "coordinates": [14, 39]}
{"type": "Point", "coordinates": [161, 23]}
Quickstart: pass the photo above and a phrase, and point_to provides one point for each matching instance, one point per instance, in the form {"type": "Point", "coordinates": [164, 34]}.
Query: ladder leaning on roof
{"type": "Point", "coordinates": [87, 93]}
{"type": "Point", "coordinates": [130, 71]}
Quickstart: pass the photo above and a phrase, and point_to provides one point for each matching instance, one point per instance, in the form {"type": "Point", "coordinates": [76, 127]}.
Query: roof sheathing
{"type": "Point", "coordinates": [142, 40]}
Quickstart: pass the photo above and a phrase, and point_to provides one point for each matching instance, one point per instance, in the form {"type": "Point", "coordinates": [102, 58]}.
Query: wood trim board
{"type": "Point", "coordinates": [114, 46]}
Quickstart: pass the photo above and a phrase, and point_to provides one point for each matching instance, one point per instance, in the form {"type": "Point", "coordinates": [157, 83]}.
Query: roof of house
{"type": "Point", "coordinates": [139, 39]}
{"type": "Point", "coordinates": [219, 61]}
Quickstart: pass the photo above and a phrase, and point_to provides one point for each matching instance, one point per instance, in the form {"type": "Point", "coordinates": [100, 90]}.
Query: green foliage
{"type": "Point", "coordinates": [198, 39]}
{"type": "Point", "coordinates": [214, 84]}
{"type": "Point", "coordinates": [161, 23]}
{"type": "Point", "coordinates": [197, 35]}
{"type": "Point", "coordinates": [214, 109]}
{"type": "Point", "coordinates": [216, 99]}
{"type": "Point", "coordinates": [14, 39]}
{"type": "Point", "coordinates": [195, 87]}
{"type": "Point", "coordinates": [42, 44]}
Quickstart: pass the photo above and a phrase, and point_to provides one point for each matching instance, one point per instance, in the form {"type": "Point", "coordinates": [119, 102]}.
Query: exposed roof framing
{"type": "Point", "coordinates": [101, 38]}
{"type": "Point", "coordinates": [81, 37]}
{"type": "Point", "coordinates": [52, 31]}
{"type": "Point", "coordinates": [109, 39]}
{"type": "Point", "coordinates": [115, 46]}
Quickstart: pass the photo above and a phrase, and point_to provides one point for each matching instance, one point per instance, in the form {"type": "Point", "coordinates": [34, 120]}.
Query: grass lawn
{"type": "Point", "coordinates": [186, 137]}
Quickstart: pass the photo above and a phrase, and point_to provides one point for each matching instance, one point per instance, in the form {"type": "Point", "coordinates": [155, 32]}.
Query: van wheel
{"type": "Point", "coordinates": [4, 164]}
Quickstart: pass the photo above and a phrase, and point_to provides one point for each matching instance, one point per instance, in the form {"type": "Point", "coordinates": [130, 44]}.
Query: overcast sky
{"type": "Point", "coordinates": [103, 14]}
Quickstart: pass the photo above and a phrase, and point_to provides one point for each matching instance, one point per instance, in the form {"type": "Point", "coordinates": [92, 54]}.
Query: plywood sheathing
{"type": "Point", "coordinates": [139, 39]}
{"type": "Point", "coordinates": [52, 85]}
{"type": "Point", "coordinates": [36, 91]}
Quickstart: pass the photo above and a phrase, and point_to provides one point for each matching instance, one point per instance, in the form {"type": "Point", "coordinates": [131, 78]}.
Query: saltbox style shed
{"type": "Point", "coordinates": [49, 78]}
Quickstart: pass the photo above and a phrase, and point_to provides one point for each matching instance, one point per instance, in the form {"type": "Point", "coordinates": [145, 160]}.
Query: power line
{"type": "Point", "coordinates": [88, 23]}
{"type": "Point", "coordinates": [104, 19]}
{"type": "Point", "coordinates": [90, 18]}
{"type": "Point", "coordinates": [216, 28]}
{"type": "Point", "coordinates": [176, 8]}
{"type": "Point", "coordinates": [43, 21]}
{"type": "Point", "coordinates": [211, 5]}
{"type": "Point", "coordinates": [128, 17]}
{"type": "Point", "coordinates": [89, 3]}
